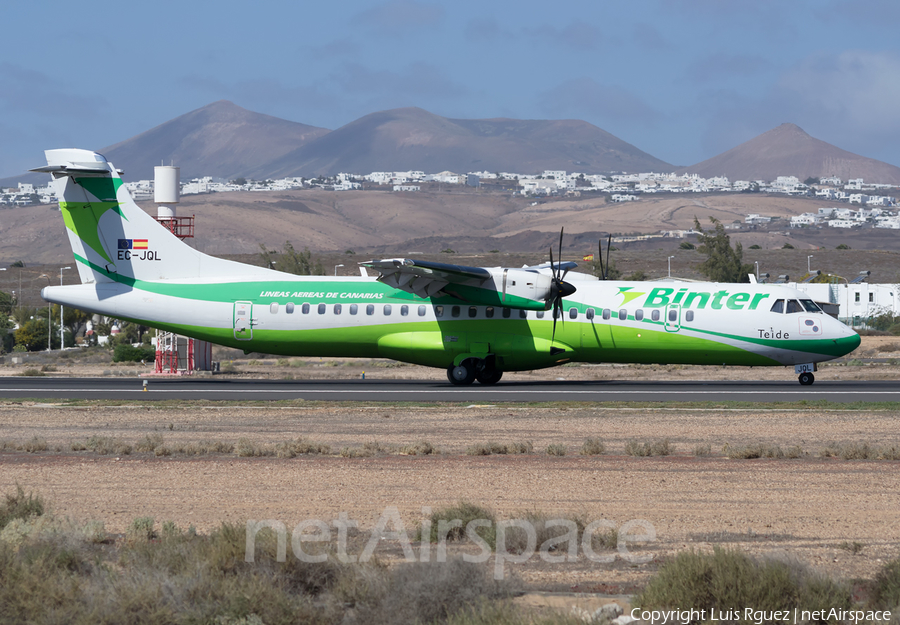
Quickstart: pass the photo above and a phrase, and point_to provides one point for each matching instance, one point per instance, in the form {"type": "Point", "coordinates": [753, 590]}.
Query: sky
{"type": "Point", "coordinates": [683, 80]}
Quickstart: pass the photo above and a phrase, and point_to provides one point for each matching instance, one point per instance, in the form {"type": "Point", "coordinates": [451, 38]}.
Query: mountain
{"type": "Point", "coordinates": [788, 151]}
{"type": "Point", "coordinates": [413, 139]}
{"type": "Point", "coordinates": [220, 139]}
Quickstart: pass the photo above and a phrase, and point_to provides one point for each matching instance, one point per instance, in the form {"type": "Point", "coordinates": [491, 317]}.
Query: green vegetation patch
{"type": "Point", "coordinates": [726, 578]}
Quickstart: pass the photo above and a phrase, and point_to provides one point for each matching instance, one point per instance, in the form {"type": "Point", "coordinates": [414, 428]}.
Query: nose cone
{"type": "Point", "coordinates": [565, 289]}
{"type": "Point", "coordinates": [847, 343]}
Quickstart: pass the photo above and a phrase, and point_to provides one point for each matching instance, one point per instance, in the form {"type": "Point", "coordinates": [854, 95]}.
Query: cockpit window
{"type": "Point", "coordinates": [793, 306]}
{"type": "Point", "coordinates": [778, 306]}
{"type": "Point", "coordinates": [810, 306]}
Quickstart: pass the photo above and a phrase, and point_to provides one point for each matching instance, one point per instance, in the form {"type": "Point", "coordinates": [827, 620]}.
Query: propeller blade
{"type": "Point", "coordinates": [552, 270]}
{"type": "Point", "coordinates": [560, 243]}
{"type": "Point", "coordinates": [600, 250]}
{"type": "Point", "coordinates": [608, 245]}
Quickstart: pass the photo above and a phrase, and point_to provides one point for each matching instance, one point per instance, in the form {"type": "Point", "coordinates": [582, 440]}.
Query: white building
{"type": "Point", "coordinates": [406, 187]}
{"type": "Point", "coordinates": [842, 223]}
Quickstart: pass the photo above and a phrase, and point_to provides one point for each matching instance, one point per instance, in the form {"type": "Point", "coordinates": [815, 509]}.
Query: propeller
{"type": "Point", "coordinates": [558, 288]}
{"type": "Point", "coordinates": [604, 272]}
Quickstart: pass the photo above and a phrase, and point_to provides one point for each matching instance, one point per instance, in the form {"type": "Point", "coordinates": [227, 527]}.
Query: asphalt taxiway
{"type": "Point", "coordinates": [435, 391]}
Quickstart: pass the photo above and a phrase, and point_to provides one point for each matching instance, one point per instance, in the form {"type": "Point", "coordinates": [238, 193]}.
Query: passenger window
{"type": "Point", "coordinates": [810, 306]}
{"type": "Point", "coordinates": [778, 306]}
{"type": "Point", "coordinates": [639, 314]}
{"type": "Point", "coordinates": [387, 310]}
{"type": "Point", "coordinates": [623, 315]}
{"type": "Point", "coordinates": [305, 309]}
{"type": "Point", "coordinates": [404, 310]}
{"type": "Point", "coordinates": [289, 308]}
{"type": "Point", "coordinates": [655, 315]}
{"type": "Point", "coordinates": [354, 309]}
{"type": "Point", "coordinates": [540, 314]}
{"type": "Point", "coordinates": [473, 310]}
{"type": "Point", "coordinates": [421, 311]}
{"type": "Point", "coordinates": [506, 313]}
{"type": "Point", "coordinates": [606, 313]}
{"type": "Point", "coordinates": [370, 309]}
{"type": "Point", "coordinates": [438, 311]}
{"type": "Point", "coordinates": [322, 309]}
{"type": "Point", "coordinates": [523, 314]}
{"type": "Point", "coordinates": [454, 312]}
{"type": "Point", "coordinates": [590, 313]}
{"type": "Point", "coordinates": [337, 309]}
{"type": "Point", "coordinates": [673, 315]}
{"type": "Point", "coordinates": [273, 307]}
{"type": "Point", "coordinates": [793, 306]}
{"type": "Point", "coordinates": [489, 312]}
{"type": "Point", "coordinates": [573, 313]}
{"type": "Point", "coordinates": [689, 315]}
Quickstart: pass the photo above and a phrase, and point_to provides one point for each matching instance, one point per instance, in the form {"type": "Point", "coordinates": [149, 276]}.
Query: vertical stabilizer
{"type": "Point", "coordinates": [112, 238]}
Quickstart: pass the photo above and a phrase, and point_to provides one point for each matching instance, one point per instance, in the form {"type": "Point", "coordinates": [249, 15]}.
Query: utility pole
{"type": "Point", "coordinates": [62, 342]}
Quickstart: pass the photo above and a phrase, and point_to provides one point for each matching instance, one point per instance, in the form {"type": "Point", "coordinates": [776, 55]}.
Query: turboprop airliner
{"type": "Point", "coordinates": [475, 322]}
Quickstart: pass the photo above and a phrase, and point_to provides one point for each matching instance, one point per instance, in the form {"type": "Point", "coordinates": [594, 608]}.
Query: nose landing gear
{"type": "Point", "coordinates": [806, 373]}
{"type": "Point", "coordinates": [807, 378]}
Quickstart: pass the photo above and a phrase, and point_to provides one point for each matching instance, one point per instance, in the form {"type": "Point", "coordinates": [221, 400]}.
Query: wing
{"type": "Point", "coordinates": [424, 278]}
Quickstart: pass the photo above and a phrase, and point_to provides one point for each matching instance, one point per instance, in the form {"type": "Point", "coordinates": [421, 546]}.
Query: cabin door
{"type": "Point", "coordinates": [673, 317]}
{"type": "Point", "coordinates": [243, 321]}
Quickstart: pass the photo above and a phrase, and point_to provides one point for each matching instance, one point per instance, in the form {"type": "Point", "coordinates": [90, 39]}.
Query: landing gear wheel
{"type": "Point", "coordinates": [488, 376]}
{"type": "Point", "coordinates": [807, 378]}
{"type": "Point", "coordinates": [461, 375]}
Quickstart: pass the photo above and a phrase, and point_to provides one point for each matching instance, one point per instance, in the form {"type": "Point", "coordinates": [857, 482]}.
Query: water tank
{"type": "Point", "coordinates": [166, 184]}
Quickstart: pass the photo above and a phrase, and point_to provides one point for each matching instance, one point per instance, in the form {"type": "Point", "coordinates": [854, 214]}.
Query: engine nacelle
{"type": "Point", "coordinates": [509, 288]}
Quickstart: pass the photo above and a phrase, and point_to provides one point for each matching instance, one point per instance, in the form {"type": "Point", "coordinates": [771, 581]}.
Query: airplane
{"type": "Point", "coordinates": [475, 322]}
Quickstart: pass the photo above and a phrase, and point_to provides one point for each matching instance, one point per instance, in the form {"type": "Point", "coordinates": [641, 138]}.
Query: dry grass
{"type": "Point", "coordinates": [762, 450]}
{"type": "Point", "coordinates": [860, 451]}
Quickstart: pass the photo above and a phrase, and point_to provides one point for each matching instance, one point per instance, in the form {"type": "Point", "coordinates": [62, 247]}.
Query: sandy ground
{"type": "Point", "coordinates": [811, 507]}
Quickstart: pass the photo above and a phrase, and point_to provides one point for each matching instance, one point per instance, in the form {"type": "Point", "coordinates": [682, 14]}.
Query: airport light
{"type": "Point", "coordinates": [670, 265]}
{"type": "Point", "coordinates": [335, 268]}
{"type": "Point", "coordinates": [808, 270]}
{"type": "Point", "coordinates": [62, 341]}
{"type": "Point", "coordinates": [756, 262]}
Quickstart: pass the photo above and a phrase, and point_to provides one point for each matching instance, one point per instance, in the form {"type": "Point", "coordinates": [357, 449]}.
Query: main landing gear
{"type": "Point", "coordinates": [473, 369]}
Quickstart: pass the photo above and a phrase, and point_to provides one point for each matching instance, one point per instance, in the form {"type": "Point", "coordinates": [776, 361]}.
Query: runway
{"type": "Point", "coordinates": [434, 391]}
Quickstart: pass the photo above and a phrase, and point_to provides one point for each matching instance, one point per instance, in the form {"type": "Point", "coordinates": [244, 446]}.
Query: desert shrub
{"type": "Point", "coordinates": [106, 445]}
{"type": "Point", "coordinates": [487, 449]}
{"type": "Point", "coordinates": [703, 450]}
{"type": "Point", "coordinates": [556, 449]}
{"type": "Point", "coordinates": [29, 373]}
{"type": "Point", "coordinates": [860, 451]}
{"type": "Point", "coordinates": [149, 443]}
{"type": "Point", "coordinates": [422, 448]}
{"type": "Point", "coordinates": [300, 447]}
{"type": "Point", "coordinates": [36, 444]}
{"type": "Point", "coordinates": [516, 540]}
{"type": "Point", "coordinates": [762, 450]}
{"type": "Point", "coordinates": [592, 447]}
{"type": "Point", "coordinates": [466, 512]}
{"type": "Point", "coordinates": [428, 592]}
{"type": "Point", "coordinates": [18, 505]}
{"type": "Point", "coordinates": [656, 448]}
{"type": "Point", "coordinates": [885, 592]}
{"type": "Point", "coordinates": [728, 578]}
{"type": "Point", "coordinates": [245, 448]}
{"type": "Point", "coordinates": [141, 528]}
{"type": "Point", "coordinates": [125, 352]}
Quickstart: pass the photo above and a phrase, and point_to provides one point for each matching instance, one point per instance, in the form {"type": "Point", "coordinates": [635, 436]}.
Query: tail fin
{"type": "Point", "coordinates": [112, 238]}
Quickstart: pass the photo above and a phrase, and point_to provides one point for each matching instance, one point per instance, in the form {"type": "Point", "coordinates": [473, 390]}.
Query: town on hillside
{"type": "Point", "coordinates": [875, 205]}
